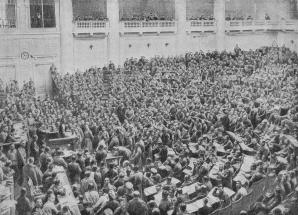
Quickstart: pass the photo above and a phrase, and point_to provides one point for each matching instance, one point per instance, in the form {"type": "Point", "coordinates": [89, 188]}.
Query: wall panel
{"type": "Point", "coordinates": [148, 46]}
{"type": "Point", "coordinates": [90, 52]}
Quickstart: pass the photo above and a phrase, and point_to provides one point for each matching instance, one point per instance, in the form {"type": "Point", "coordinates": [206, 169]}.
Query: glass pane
{"type": "Point", "coordinates": [147, 9]}
{"type": "Point", "coordinates": [36, 14]}
{"type": "Point", "coordinates": [10, 14]}
{"type": "Point", "coordinates": [89, 9]}
{"type": "Point", "coordinates": [49, 14]}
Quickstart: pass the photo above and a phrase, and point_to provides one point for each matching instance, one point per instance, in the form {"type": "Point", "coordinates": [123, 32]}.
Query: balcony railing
{"type": "Point", "coordinates": [261, 25]}
{"type": "Point", "coordinates": [7, 23]}
{"type": "Point", "coordinates": [201, 26]}
{"type": "Point", "coordinates": [90, 27]}
{"type": "Point", "coordinates": [192, 26]}
{"type": "Point", "coordinates": [147, 26]}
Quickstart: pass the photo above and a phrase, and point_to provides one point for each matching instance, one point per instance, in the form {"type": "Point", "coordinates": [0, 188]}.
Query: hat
{"type": "Point", "coordinates": [136, 194]}
{"type": "Point", "coordinates": [121, 175]}
{"type": "Point", "coordinates": [153, 170]}
{"type": "Point", "coordinates": [128, 185]}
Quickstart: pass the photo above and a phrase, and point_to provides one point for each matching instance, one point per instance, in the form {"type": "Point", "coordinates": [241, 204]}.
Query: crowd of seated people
{"type": "Point", "coordinates": [92, 17]}
{"type": "Point", "coordinates": [229, 18]}
{"type": "Point", "coordinates": [173, 121]}
{"type": "Point", "coordinates": [202, 17]}
{"type": "Point", "coordinates": [242, 18]}
{"type": "Point", "coordinates": [146, 16]}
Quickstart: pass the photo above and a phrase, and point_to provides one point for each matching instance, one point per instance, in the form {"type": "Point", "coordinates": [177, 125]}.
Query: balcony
{"type": "Point", "coordinates": [201, 26]}
{"type": "Point", "coordinates": [7, 25]}
{"type": "Point", "coordinates": [90, 27]}
{"type": "Point", "coordinates": [261, 25]}
{"type": "Point", "coordinates": [141, 27]}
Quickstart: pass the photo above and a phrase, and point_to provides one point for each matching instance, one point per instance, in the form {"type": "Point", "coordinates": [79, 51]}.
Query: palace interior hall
{"type": "Point", "coordinates": [148, 107]}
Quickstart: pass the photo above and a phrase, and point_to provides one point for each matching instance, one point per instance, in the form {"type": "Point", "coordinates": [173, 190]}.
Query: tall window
{"type": "Point", "coordinates": [42, 13]}
{"type": "Point", "coordinates": [8, 14]}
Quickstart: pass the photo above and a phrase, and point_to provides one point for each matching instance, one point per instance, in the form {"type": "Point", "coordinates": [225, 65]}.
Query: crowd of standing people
{"type": "Point", "coordinates": [175, 122]}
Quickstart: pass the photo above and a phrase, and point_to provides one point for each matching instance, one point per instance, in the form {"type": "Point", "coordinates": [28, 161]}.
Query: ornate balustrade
{"type": "Point", "coordinates": [261, 25]}
{"type": "Point", "coordinates": [90, 27]}
{"type": "Point", "coordinates": [147, 26]}
{"type": "Point", "coordinates": [192, 26]}
{"type": "Point", "coordinates": [201, 26]}
{"type": "Point", "coordinates": [7, 23]}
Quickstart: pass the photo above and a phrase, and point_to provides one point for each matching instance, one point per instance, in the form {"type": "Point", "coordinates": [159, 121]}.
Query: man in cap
{"type": "Point", "coordinates": [112, 204]}
{"type": "Point", "coordinates": [74, 171]}
{"type": "Point", "coordinates": [31, 171]}
{"type": "Point", "coordinates": [205, 210]}
{"type": "Point", "coordinates": [120, 181]}
{"type": "Point", "coordinates": [23, 205]}
{"type": "Point", "coordinates": [137, 206]}
{"type": "Point", "coordinates": [165, 204]}
{"type": "Point", "coordinates": [155, 176]}
{"type": "Point", "coordinates": [91, 196]}
{"type": "Point", "coordinates": [86, 181]}
{"type": "Point", "coordinates": [241, 191]}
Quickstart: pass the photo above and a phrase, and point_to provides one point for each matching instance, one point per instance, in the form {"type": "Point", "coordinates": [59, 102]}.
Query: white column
{"type": "Point", "coordinates": [57, 14]}
{"type": "Point", "coordinates": [180, 16]}
{"type": "Point", "coordinates": [220, 18]}
{"type": "Point", "coordinates": [23, 15]}
{"type": "Point", "coordinates": [113, 38]}
{"type": "Point", "coordinates": [66, 38]}
{"type": "Point", "coordinates": [3, 10]}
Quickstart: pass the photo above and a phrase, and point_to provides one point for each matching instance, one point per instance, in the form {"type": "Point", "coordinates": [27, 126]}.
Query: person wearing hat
{"type": "Point", "coordinates": [86, 181]}
{"type": "Point", "coordinates": [151, 206]}
{"type": "Point", "coordinates": [165, 204]}
{"type": "Point", "coordinates": [91, 196]}
{"type": "Point", "coordinates": [23, 205]}
{"type": "Point", "coordinates": [37, 210]}
{"type": "Point", "coordinates": [120, 180]}
{"type": "Point", "coordinates": [58, 159]}
{"type": "Point", "coordinates": [43, 159]}
{"type": "Point", "coordinates": [101, 154]}
{"type": "Point", "coordinates": [129, 190]}
{"type": "Point", "coordinates": [205, 210]}
{"type": "Point", "coordinates": [206, 181]}
{"type": "Point", "coordinates": [241, 191]}
{"type": "Point", "coordinates": [276, 199]}
{"type": "Point", "coordinates": [137, 206]}
{"type": "Point", "coordinates": [74, 171]}
{"type": "Point", "coordinates": [257, 176]}
{"type": "Point", "coordinates": [49, 207]}
{"type": "Point", "coordinates": [112, 204]}
{"type": "Point", "coordinates": [31, 171]}
{"type": "Point", "coordinates": [155, 176]}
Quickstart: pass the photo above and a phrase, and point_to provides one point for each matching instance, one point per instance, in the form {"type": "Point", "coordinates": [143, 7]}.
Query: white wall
{"type": "Point", "coordinates": [290, 40]}
{"type": "Point", "coordinates": [90, 52]}
{"type": "Point", "coordinates": [43, 49]}
{"type": "Point", "coordinates": [250, 40]}
{"type": "Point", "coordinates": [198, 42]}
{"type": "Point", "coordinates": [139, 46]}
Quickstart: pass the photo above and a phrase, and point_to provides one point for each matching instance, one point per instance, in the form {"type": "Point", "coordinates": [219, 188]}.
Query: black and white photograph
{"type": "Point", "coordinates": [148, 107]}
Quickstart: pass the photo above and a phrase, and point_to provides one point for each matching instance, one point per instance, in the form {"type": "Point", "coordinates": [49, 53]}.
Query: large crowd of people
{"type": "Point", "coordinates": [146, 16]}
{"type": "Point", "coordinates": [173, 122]}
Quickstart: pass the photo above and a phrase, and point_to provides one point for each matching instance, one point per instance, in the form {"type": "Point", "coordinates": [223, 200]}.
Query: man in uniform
{"type": "Point", "coordinates": [137, 206]}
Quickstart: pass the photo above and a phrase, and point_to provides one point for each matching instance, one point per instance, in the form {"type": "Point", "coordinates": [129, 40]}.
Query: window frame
{"type": "Point", "coordinates": [41, 3]}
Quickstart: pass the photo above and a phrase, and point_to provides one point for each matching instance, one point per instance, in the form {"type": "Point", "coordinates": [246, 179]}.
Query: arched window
{"type": "Point", "coordinates": [42, 13]}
